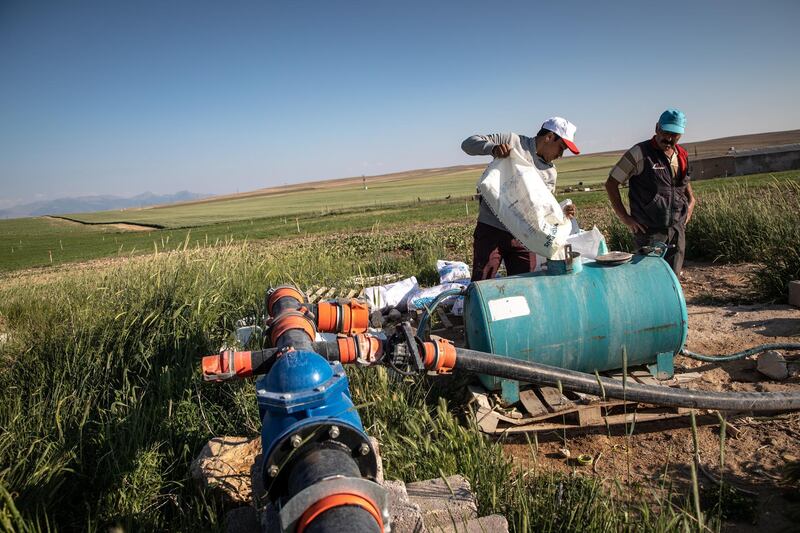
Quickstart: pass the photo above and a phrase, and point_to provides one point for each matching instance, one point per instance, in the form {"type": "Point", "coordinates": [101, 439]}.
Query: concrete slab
{"type": "Point", "coordinates": [486, 524]}
{"type": "Point", "coordinates": [444, 501]}
{"type": "Point", "coordinates": [406, 516]}
{"type": "Point", "coordinates": [231, 467]}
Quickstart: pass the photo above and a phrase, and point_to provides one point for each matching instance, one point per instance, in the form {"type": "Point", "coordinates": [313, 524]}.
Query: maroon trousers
{"type": "Point", "coordinates": [492, 245]}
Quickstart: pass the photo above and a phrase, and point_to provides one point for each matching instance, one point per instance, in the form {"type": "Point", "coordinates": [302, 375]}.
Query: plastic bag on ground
{"type": "Point", "coordinates": [392, 295]}
{"type": "Point", "coordinates": [450, 271]}
{"type": "Point", "coordinates": [514, 191]}
{"type": "Point", "coordinates": [421, 298]}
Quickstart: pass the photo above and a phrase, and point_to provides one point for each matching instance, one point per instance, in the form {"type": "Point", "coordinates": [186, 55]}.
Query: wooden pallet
{"type": "Point", "coordinates": [548, 409]}
{"type": "Point", "coordinates": [316, 294]}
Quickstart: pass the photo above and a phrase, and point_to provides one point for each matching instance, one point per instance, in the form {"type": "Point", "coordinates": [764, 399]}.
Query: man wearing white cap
{"type": "Point", "coordinates": [492, 242]}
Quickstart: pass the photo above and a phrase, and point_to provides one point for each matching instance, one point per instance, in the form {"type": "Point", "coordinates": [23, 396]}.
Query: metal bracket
{"type": "Point", "coordinates": [664, 367]}
{"type": "Point", "coordinates": [402, 351]}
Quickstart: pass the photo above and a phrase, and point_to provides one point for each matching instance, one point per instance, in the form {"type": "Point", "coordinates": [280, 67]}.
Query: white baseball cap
{"type": "Point", "coordinates": [564, 129]}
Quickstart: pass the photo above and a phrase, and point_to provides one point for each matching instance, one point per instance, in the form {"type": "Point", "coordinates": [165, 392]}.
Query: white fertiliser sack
{"type": "Point", "coordinates": [450, 271]}
{"type": "Point", "coordinates": [515, 192]}
{"type": "Point", "coordinates": [391, 295]}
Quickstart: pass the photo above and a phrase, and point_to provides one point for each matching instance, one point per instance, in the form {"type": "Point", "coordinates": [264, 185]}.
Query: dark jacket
{"type": "Point", "coordinates": [658, 199]}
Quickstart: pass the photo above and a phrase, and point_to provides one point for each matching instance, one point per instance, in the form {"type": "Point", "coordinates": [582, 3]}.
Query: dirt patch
{"type": "Point", "coordinates": [659, 453]}
{"type": "Point", "coordinates": [705, 283]}
{"type": "Point", "coordinates": [120, 226]}
{"type": "Point", "coordinates": [129, 227]}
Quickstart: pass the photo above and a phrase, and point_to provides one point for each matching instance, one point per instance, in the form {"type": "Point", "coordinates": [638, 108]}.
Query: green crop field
{"type": "Point", "coordinates": [37, 242]}
{"type": "Point", "coordinates": [323, 198]}
{"type": "Point", "coordinates": [413, 186]}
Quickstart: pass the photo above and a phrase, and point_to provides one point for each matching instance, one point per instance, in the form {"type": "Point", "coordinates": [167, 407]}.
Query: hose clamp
{"type": "Point", "coordinates": [294, 509]}
{"type": "Point", "coordinates": [222, 376]}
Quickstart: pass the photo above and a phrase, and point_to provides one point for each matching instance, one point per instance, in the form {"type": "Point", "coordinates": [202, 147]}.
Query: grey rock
{"type": "Point", "coordinates": [224, 466]}
{"type": "Point", "coordinates": [379, 474]}
{"type": "Point", "coordinates": [773, 365]}
{"type": "Point", "coordinates": [794, 293]}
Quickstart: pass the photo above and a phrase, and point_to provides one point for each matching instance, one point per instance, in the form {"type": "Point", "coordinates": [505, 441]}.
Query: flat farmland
{"type": "Point", "coordinates": [322, 197]}
{"type": "Point", "coordinates": [43, 242]}
{"type": "Point", "coordinates": [340, 195]}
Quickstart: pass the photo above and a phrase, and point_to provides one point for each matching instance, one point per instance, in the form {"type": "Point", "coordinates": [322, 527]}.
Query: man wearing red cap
{"type": "Point", "coordinates": [660, 194]}
{"type": "Point", "coordinates": [492, 242]}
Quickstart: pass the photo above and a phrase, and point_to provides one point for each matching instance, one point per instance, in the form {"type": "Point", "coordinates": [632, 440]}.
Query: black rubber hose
{"type": "Point", "coordinates": [509, 368]}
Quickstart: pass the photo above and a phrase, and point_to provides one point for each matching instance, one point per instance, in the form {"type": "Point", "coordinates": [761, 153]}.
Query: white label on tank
{"type": "Point", "coordinates": [512, 307]}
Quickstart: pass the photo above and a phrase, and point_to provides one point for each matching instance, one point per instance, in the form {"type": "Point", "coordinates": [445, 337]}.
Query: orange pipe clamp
{"type": "Point", "coordinates": [364, 349]}
{"type": "Point", "coordinates": [227, 365]}
{"type": "Point", "coordinates": [348, 318]}
{"type": "Point", "coordinates": [291, 320]}
{"type": "Point", "coordinates": [281, 292]}
{"type": "Point", "coordinates": [440, 355]}
{"type": "Point", "coordinates": [337, 500]}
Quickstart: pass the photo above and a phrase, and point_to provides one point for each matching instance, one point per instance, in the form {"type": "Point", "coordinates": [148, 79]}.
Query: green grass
{"type": "Point", "coordinates": [38, 242]}
{"type": "Point", "coordinates": [102, 408]}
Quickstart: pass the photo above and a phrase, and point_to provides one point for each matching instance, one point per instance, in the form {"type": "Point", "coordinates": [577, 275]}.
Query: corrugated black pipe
{"type": "Point", "coordinates": [509, 368]}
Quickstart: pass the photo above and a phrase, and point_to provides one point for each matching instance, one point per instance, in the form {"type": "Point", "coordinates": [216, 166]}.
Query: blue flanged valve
{"type": "Point", "coordinates": [305, 405]}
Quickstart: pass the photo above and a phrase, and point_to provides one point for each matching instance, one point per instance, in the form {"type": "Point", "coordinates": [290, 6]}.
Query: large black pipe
{"type": "Point", "coordinates": [323, 463]}
{"type": "Point", "coordinates": [509, 368]}
{"type": "Point", "coordinates": [344, 518]}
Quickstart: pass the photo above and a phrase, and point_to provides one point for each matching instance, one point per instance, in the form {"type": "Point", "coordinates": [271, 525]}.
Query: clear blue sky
{"type": "Point", "coordinates": [121, 97]}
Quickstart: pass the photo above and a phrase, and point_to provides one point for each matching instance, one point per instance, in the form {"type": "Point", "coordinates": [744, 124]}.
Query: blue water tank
{"type": "Point", "coordinates": [581, 319]}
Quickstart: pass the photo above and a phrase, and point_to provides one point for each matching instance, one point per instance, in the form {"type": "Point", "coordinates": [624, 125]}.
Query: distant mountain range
{"type": "Point", "coordinates": [83, 204]}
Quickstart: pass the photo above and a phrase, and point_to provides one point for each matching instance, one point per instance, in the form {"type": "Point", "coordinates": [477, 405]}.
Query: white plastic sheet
{"type": "Point", "coordinates": [515, 192]}
{"type": "Point", "coordinates": [589, 244]}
